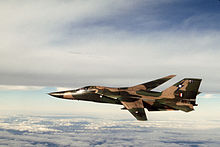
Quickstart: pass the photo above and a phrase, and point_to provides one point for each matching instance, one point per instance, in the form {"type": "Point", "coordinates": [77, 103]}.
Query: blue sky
{"type": "Point", "coordinates": [153, 16]}
{"type": "Point", "coordinates": [51, 45]}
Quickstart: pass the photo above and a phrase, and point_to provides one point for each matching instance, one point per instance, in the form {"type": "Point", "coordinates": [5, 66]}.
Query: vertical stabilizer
{"type": "Point", "coordinates": [185, 91]}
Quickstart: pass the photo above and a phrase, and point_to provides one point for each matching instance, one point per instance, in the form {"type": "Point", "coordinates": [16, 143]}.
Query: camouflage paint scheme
{"type": "Point", "coordinates": [180, 96]}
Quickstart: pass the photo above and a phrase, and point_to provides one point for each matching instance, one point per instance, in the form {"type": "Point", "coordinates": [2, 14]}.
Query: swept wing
{"type": "Point", "coordinates": [153, 84]}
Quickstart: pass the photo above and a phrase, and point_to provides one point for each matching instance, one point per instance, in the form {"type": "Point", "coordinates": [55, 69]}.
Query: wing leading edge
{"type": "Point", "coordinates": [153, 84]}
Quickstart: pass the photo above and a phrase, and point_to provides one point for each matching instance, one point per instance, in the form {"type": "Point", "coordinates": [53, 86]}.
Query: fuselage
{"type": "Point", "coordinates": [111, 95]}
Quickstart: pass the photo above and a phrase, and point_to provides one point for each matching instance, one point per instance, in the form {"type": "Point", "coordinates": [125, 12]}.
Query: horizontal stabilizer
{"type": "Point", "coordinates": [136, 108]}
{"type": "Point", "coordinates": [138, 113]}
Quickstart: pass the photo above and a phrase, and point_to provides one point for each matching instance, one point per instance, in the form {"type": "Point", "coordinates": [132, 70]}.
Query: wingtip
{"type": "Point", "coordinates": [142, 119]}
{"type": "Point", "coordinates": [171, 76]}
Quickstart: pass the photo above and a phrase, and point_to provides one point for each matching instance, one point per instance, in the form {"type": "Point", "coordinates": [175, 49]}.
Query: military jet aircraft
{"type": "Point", "coordinates": [180, 96]}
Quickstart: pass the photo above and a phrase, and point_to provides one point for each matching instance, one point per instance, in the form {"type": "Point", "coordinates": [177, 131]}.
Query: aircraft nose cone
{"type": "Point", "coordinates": [57, 94]}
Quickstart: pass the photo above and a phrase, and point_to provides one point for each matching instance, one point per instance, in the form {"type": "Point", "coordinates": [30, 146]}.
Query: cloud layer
{"type": "Point", "coordinates": [78, 131]}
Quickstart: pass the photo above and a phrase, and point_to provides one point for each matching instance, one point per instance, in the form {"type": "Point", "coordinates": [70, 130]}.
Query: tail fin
{"type": "Point", "coordinates": [184, 91]}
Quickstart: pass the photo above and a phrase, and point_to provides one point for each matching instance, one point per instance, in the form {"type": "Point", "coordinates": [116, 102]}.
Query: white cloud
{"type": "Point", "coordinates": [77, 131]}
{"type": "Point", "coordinates": [207, 96]}
{"type": "Point", "coordinates": [64, 88]}
{"type": "Point", "coordinates": [30, 125]}
{"type": "Point", "coordinates": [20, 87]}
{"type": "Point", "coordinates": [59, 44]}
